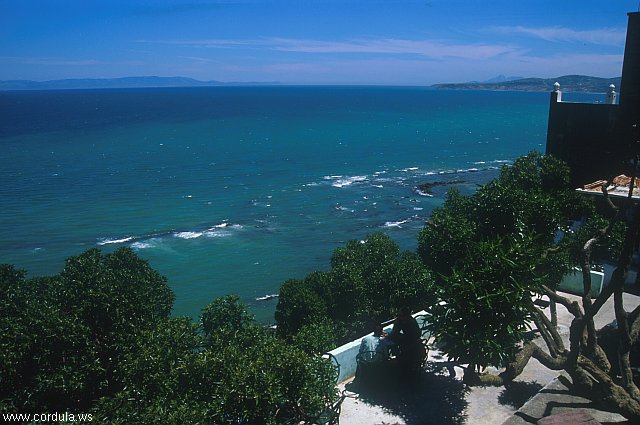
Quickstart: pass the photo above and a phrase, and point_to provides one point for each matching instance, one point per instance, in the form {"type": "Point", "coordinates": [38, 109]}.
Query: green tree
{"type": "Point", "coordinates": [490, 252]}
{"type": "Point", "coordinates": [299, 304]}
{"type": "Point", "coordinates": [226, 374]}
{"type": "Point", "coordinates": [369, 280]}
{"type": "Point", "coordinates": [98, 337]}
{"type": "Point", "coordinates": [64, 335]}
{"type": "Point", "coordinates": [511, 254]}
{"type": "Point", "coordinates": [225, 314]}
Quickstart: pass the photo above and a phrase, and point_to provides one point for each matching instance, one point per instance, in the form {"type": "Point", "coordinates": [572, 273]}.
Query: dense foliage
{"type": "Point", "coordinates": [369, 280]}
{"type": "Point", "coordinates": [98, 337]}
{"type": "Point", "coordinates": [63, 337]}
{"type": "Point", "coordinates": [488, 250]}
{"type": "Point", "coordinates": [514, 240]}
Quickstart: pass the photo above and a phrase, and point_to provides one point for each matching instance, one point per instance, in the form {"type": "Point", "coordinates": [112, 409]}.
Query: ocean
{"type": "Point", "coordinates": [237, 189]}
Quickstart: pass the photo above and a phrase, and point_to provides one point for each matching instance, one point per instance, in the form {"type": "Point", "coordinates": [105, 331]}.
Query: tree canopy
{"type": "Point", "coordinates": [369, 281]}
{"type": "Point", "coordinates": [98, 337]}
{"type": "Point", "coordinates": [513, 240]}
{"type": "Point", "coordinates": [488, 251]}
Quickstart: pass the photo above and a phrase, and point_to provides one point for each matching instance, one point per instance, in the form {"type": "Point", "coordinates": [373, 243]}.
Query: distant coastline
{"type": "Point", "coordinates": [572, 83]}
{"type": "Point", "coordinates": [118, 83]}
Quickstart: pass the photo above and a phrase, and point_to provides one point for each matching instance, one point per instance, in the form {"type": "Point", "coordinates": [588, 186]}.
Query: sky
{"type": "Point", "coordinates": [388, 42]}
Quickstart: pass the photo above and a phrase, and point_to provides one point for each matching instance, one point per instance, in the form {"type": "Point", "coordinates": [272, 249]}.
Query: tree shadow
{"type": "Point", "coordinates": [564, 397]}
{"type": "Point", "coordinates": [517, 393]}
{"type": "Point", "coordinates": [433, 397]}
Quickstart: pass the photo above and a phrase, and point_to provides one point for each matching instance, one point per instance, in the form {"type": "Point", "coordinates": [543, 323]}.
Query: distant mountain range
{"type": "Point", "coordinates": [499, 79]}
{"type": "Point", "coordinates": [570, 83]}
{"type": "Point", "coordinates": [109, 83]}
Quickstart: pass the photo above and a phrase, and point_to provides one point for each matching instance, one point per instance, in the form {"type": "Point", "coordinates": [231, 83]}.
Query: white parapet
{"type": "Point", "coordinates": [572, 282]}
{"type": "Point", "coordinates": [346, 354]}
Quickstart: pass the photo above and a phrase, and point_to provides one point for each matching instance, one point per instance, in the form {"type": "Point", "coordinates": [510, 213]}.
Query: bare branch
{"type": "Point", "coordinates": [572, 306]}
{"type": "Point", "coordinates": [548, 251]}
{"type": "Point", "coordinates": [544, 332]}
{"type": "Point", "coordinates": [552, 329]}
{"type": "Point", "coordinates": [605, 193]}
{"type": "Point", "coordinates": [625, 403]}
{"type": "Point", "coordinates": [634, 324]}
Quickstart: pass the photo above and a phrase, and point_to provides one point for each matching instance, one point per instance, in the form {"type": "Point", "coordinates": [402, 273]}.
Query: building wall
{"type": "Point", "coordinates": [598, 141]}
{"type": "Point", "coordinates": [585, 135]}
{"type": "Point", "coordinates": [630, 84]}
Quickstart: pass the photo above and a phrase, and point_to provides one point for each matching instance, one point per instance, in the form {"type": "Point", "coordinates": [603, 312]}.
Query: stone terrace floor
{"type": "Point", "coordinates": [441, 398]}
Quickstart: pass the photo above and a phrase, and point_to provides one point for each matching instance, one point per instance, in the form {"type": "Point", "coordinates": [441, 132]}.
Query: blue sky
{"type": "Point", "coordinates": [399, 42]}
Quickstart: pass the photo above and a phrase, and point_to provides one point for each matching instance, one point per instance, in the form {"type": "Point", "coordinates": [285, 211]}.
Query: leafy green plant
{"type": "Point", "coordinates": [369, 280]}
{"type": "Point", "coordinates": [490, 252]}
{"type": "Point", "coordinates": [97, 337]}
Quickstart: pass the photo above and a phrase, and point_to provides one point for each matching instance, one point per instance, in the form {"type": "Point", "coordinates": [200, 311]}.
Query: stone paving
{"type": "Point", "coordinates": [440, 397]}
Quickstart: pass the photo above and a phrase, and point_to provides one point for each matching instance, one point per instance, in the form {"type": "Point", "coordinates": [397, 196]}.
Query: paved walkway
{"type": "Point", "coordinates": [555, 398]}
{"type": "Point", "coordinates": [441, 398]}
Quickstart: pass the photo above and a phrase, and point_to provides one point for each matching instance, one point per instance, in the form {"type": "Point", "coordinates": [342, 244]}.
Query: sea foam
{"type": "Point", "coordinates": [396, 223]}
{"type": "Point", "coordinates": [187, 235]}
{"type": "Point", "coordinates": [107, 241]}
{"type": "Point", "coordinates": [348, 181]}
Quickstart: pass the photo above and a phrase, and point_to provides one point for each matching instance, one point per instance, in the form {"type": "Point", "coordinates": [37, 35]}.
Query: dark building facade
{"type": "Point", "coordinates": [600, 141]}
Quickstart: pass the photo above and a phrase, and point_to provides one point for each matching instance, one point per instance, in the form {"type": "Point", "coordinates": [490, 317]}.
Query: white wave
{"type": "Point", "coordinates": [222, 230]}
{"type": "Point", "coordinates": [332, 177]}
{"type": "Point", "coordinates": [377, 185]}
{"type": "Point", "coordinates": [217, 234]}
{"type": "Point", "coordinates": [348, 181]}
{"type": "Point", "coordinates": [187, 235]}
{"type": "Point", "coordinates": [409, 169]}
{"type": "Point", "coordinates": [114, 241]}
{"type": "Point", "coordinates": [421, 193]}
{"type": "Point", "coordinates": [144, 245]}
{"type": "Point", "coordinates": [417, 208]}
{"type": "Point", "coordinates": [395, 223]}
{"type": "Point", "coordinates": [267, 297]}
{"type": "Point", "coordinates": [341, 208]}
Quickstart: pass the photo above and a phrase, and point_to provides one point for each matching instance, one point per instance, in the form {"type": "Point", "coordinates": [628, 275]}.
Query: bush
{"type": "Point", "coordinates": [98, 337]}
{"type": "Point", "coordinates": [369, 281]}
{"type": "Point", "coordinates": [489, 250]}
{"type": "Point", "coordinates": [64, 335]}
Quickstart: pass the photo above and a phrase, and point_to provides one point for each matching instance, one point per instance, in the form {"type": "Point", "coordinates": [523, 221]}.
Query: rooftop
{"type": "Point", "coordinates": [618, 187]}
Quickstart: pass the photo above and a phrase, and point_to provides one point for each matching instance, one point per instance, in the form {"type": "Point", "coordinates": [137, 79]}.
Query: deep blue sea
{"type": "Point", "coordinates": [236, 189]}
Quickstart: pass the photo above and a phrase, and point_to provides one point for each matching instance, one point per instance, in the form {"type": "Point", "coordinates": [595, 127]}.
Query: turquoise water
{"type": "Point", "coordinates": [236, 189]}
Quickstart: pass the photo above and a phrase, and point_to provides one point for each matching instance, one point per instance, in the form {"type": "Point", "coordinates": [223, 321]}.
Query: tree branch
{"type": "Point", "coordinates": [552, 329]}
{"type": "Point", "coordinates": [572, 306]}
{"type": "Point", "coordinates": [613, 394]}
{"type": "Point", "coordinates": [544, 332]}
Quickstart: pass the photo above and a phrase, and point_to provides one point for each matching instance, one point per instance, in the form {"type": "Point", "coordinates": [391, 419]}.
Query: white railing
{"type": "Point", "coordinates": [345, 355]}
